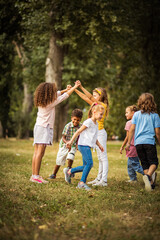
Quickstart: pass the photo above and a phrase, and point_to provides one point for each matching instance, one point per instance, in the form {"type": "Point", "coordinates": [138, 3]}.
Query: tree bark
{"type": "Point", "coordinates": [54, 67]}
{"type": "Point", "coordinates": [23, 131]}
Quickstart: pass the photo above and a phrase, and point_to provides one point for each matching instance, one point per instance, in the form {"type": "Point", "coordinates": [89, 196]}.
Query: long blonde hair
{"type": "Point", "coordinates": [96, 107]}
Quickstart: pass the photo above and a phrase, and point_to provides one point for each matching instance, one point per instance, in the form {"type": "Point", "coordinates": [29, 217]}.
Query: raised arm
{"type": "Point", "coordinates": [72, 89]}
{"type": "Point", "coordinates": [88, 94]}
{"type": "Point", "coordinates": [67, 88]}
{"type": "Point", "coordinates": [84, 97]}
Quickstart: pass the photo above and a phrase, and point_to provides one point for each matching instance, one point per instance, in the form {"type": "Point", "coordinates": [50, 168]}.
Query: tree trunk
{"type": "Point", "coordinates": [23, 131]}
{"type": "Point", "coordinates": [54, 66]}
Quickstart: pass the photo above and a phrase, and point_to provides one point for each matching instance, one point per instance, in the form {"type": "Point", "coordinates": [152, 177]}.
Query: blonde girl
{"type": "Point", "coordinates": [99, 96]}
{"type": "Point", "coordinates": [133, 164]}
{"type": "Point", "coordinates": [145, 126]}
{"type": "Point", "coordinates": [88, 139]}
{"type": "Point", "coordinates": [46, 97]}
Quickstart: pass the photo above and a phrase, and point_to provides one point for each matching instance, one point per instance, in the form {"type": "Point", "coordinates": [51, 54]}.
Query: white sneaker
{"type": "Point", "coordinates": [100, 183]}
{"type": "Point", "coordinates": [154, 176]}
{"type": "Point", "coordinates": [132, 181]}
{"type": "Point", "coordinates": [94, 181]}
{"type": "Point", "coordinates": [147, 183]}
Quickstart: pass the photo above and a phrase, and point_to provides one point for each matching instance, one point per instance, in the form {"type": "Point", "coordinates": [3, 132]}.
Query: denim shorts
{"type": "Point", "coordinates": [147, 154]}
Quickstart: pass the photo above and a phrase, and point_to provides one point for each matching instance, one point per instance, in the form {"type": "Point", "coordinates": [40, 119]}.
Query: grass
{"type": "Point", "coordinates": [58, 211]}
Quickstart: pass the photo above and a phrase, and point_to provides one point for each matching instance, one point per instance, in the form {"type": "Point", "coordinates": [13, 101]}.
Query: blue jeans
{"type": "Point", "coordinates": [87, 162]}
{"type": "Point", "coordinates": [133, 167]}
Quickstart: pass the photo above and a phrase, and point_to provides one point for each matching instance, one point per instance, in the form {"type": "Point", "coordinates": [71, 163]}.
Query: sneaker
{"type": "Point", "coordinates": [53, 176]}
{"type": "Point", "coordinates": [43, 181]}
{"type": "Point", "coordinates": [72, 174]}
{"type": "Point", "coordinates": [132, 181]}
{"type": "Point", "coordinates": [83, 186]}
{"type": "Point", "coordinates": [94, 181]}
{"type": "Point", "coordinates": [36, 180]}
{"type": "Point", "coordinates": [147, 182]}
{"type": "Point", "coordinates": [100, 183]}
{"type": "Point", "coordinates": [154, 176]}
{"type": "Point", "coordinates": [67, 176]}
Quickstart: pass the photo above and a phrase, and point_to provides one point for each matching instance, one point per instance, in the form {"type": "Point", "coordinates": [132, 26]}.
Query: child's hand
{"type": "Point", "coordinates": [68, 87]}
{"type": "Point", "coordinates": [79, 83]}
{"type": "Point", "coordinates": [101, 148]}
{"type": "Point", "coordinates": [68, 145]}
{"type": "Point", "coordinates": [121, 149]}
{"type": "Point", "coordinates": [127, 147]}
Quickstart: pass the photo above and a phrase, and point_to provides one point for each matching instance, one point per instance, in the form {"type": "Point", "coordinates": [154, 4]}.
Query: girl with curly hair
{"type": "Point", "coordinates": [46, 97]}
{"type": "Point", "coordinates": [99, 96]}
{"type": "Point", "coordinates": [145, 126]}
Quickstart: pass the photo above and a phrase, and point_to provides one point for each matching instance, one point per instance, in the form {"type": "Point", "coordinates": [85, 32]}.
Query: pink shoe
{"type": "Point", "coordinates": [36, 180]}
{"type": "Point", "coordinates": [43, 181]}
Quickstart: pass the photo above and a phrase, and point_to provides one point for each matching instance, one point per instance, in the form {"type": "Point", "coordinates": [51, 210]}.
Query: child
{"type": "Point", "coordinates": [99, 96]}
{"type": "Point", "coordinates": [67, 134]}
{"type": "Point", "coordinates": [145, 125]}
{"type": "Point", "coordinates": [88, 139]}
{"type": "Point", "coordinates": [46, 98]}
{"type": "Point", "coordinates": [133, 160]}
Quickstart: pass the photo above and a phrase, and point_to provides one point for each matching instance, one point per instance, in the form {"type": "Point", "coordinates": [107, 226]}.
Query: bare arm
{"type": "Point", "coordinates": [64, 138]}
{"type": "Point", "coordinates": [65, 90]}
{"type": "Point", "coordinates": [131, 133]}
{"type": "Point", "coordinates": [100, 146]}
{"type": "Point", "coordinates": [71, 90]}
{"type": "Point", "coordinates": [124, 142]}
{"type": "Point", "coordinates": [88, 94]}
{"type": "Point", "coordinates": [84, 97]}
{"type": "Point", "coordinates": [157, 131]}
{"type": "Point", "coordinates": [76, 134]}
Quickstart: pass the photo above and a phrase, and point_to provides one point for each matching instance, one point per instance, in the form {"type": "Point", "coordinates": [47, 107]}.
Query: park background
{"type": "Point", "coordinates": [111, 44]}
{"type": "Point", "coordinates": [106, 43]}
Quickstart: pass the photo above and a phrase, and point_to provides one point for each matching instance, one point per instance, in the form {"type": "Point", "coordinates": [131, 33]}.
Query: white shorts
{"type": "Point", "coordinates": [43, 135]}
{"type": "Point", "coordinates": [63, 154]}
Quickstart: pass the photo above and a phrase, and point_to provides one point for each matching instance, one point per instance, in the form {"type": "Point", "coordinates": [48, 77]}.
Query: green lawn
{"type": "Point", "coordinates": [58, 211]}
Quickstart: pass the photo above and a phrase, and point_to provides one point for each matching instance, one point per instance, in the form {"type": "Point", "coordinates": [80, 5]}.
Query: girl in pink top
{"type": "Point", "coordinates": [133, 160]}
{"type": "Point", "coordinates": [46, 97]}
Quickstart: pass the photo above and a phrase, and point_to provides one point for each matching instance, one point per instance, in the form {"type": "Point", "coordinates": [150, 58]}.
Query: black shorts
{"type": "Point", "coordinates": [147, 154]}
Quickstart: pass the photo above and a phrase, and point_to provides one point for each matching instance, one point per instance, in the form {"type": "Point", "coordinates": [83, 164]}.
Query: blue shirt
{"type": "Point", "coordinates": [145, 127]}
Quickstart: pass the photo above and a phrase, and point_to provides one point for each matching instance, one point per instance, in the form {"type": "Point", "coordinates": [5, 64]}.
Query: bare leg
{"type": "Point", "coordinates": [37, 158]}
{"type": "Point", "coordinates": [150, 171]}
{"type": "Point", "coordinates": [70, 162]}
{"type": "Point", "coordinates": [56, 169]}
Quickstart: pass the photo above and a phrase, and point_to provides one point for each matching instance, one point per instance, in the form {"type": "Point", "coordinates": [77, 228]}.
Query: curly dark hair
{"type": "Point", "coordinates": [103, 97]}
{"type": "Point", "coordinates": [146, 103]}
{"type": "Point", "coordinates": [45, 94]}
{"type": "Point", "coordinates": [77, 113]}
